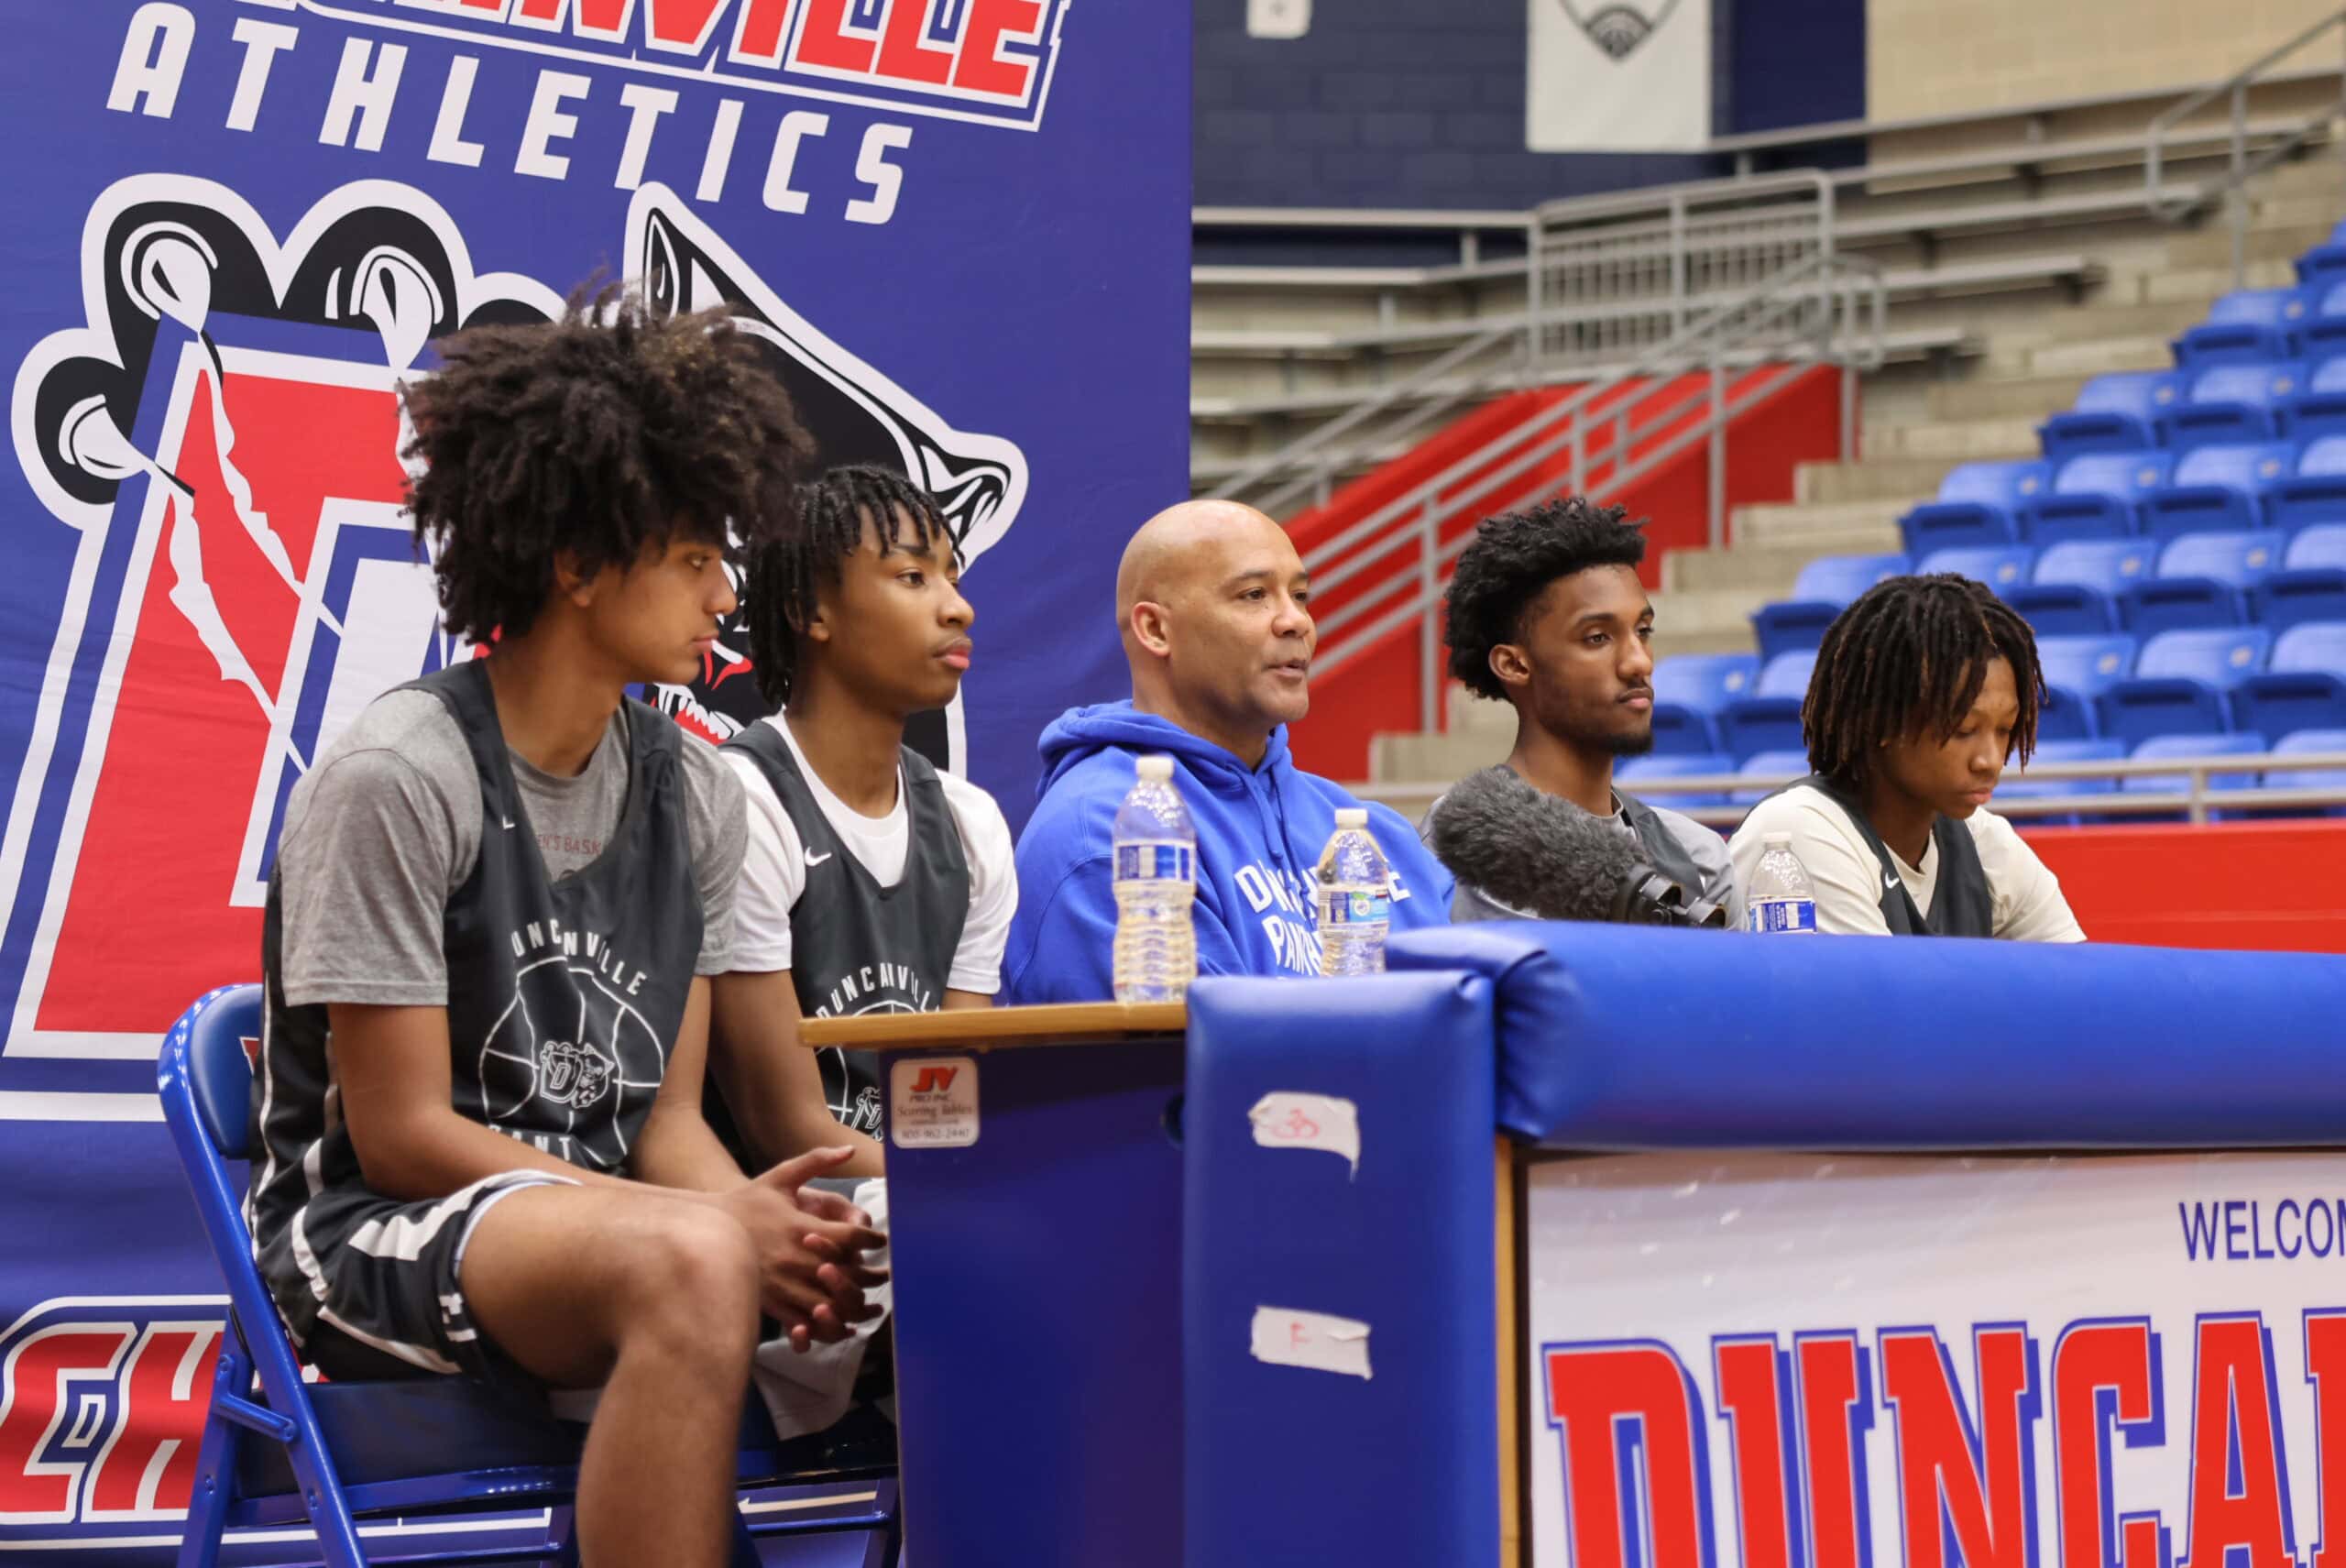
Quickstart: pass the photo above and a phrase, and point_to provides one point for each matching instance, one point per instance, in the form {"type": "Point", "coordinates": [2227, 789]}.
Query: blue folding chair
{"type": "Point", "coordinates": [328, 1456]}
{"type": "Point", "coordinates": [2113, 413]}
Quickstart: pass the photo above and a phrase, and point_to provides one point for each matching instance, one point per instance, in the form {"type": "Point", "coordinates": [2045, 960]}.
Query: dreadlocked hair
{"type": "Point", "coordinates": [788, 570]}
{"type": "Point", "coordinates": [603, 435]}
{"type": "Point", "coordinates": [1510, 563]}
{"type": "Point", "coordinates": [1905, 661]}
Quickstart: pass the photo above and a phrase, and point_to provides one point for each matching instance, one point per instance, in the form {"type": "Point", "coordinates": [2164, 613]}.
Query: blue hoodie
{"type": "Point", "coordinates": [1260, 832]}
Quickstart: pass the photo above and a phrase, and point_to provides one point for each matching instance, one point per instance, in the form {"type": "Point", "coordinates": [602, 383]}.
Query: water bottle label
{"type": "Point", "coordinates": [1356, 909]}
{"type": "Point", "coordinates": [1782, 917]}
{"type": "Point", "coordinates": [1156, 862]}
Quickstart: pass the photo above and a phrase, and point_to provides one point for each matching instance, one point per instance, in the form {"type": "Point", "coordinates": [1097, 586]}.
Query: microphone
{"type": "Point", "coordinates": [1546, 857]}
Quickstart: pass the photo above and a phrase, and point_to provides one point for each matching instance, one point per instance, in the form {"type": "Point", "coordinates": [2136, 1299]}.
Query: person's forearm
{"type": "Point", "coordinates": [676, 1149]}
{"type": "Point", "coordinates": [438, 1152]}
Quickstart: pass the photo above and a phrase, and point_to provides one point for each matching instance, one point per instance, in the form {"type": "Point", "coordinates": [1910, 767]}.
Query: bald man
{"type": "Point", "coordinates": [1210, 604]}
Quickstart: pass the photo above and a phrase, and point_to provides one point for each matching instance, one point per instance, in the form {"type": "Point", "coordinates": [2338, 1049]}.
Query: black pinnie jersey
{"type": "Point", "coordinates": [564, 997]}
{"type": "Point", "coordinates": [855, 945]}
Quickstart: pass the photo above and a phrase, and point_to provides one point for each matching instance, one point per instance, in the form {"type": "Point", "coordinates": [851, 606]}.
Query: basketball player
{"type": "Point", "coordinates": [874, 883]}
{"type": "Point", "coordinates": [1545, 613]}
{"type": "Point", "coordinates": [1925, 689]}
{"type": "Point", "coordinates": [495, 900]}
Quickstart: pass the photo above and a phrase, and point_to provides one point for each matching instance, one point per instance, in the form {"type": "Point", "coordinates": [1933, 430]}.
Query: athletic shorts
{"type": "Point", "coordinates": [370, 1287]}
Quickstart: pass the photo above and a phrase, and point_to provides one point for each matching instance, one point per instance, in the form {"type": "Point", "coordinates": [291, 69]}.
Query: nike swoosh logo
{"type": "Point", "coordinates": [818, 859]}
{"type": "Point", "coordinates": [508, 822]}
{"type": "Point", "coordinates": [1889, 881]}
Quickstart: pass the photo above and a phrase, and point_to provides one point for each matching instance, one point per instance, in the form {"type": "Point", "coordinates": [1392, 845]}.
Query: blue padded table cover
{"type": "Point", "coordinates": [1630, 1037]}
{"type": "Point", "coordinates": [1289, 1464]}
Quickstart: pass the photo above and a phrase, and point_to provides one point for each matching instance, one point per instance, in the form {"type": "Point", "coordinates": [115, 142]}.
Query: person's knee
{"type": "Point", "coordinates": [691, 1284]}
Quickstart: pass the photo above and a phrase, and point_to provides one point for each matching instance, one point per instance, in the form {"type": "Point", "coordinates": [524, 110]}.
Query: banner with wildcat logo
{"type": "Point", "coordinates": [959, 228]}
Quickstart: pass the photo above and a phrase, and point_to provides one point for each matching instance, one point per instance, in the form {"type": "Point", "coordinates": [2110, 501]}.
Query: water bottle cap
{"type": "Point", "coordinates": [1352, 817]}
{"type": "Point", "coordinates": [1156, 769]}
{"type": "Point", "coordinates": [1775, 841]}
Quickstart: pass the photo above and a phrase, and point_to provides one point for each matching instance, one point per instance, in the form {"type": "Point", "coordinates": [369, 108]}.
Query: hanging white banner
{"type": "Point", "coordinates": [1619, 76]}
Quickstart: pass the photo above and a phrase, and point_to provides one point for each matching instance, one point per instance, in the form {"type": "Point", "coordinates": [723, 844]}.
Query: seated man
{"type": "Point", "coordinates": [1546, 613]}
{"type": "Point", "coordinates": [1210, 601]}
{"type": "Point", "coordinates": [496, 901]}
{"type": "Point", "coordinates": [1925, 689]}
{"type": "Point", "coordinates": [873, 880]}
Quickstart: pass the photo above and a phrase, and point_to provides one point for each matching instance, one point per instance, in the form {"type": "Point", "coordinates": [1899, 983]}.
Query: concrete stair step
{"type": "Point", "coordinates": [1765, 569]}
{"type": "Point", "coordinates": [1481, 717]}
{"type": "Point", "coordinates": [2096, 359]}
{"type": "Point", "coordinates": [1842, 528]}
{"type": "Point", "coordinates": [2210, 244]}
{"type": "Point", "coordinates": [1415, 758]}
{"type": "Point", "coordinates": [1880, 479]}
{"type": "Point", "coordinates": [1954, 441]}
{"type": "Point", "coordinates": [1991, 397]}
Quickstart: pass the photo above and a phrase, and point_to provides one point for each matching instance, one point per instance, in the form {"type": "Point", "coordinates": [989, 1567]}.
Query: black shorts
{"type": "Point", "coordinates": [369, 1286]}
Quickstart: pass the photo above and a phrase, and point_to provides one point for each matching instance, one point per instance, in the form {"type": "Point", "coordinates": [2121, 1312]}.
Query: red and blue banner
{"type": "Point", "coordinates": [960, 229]}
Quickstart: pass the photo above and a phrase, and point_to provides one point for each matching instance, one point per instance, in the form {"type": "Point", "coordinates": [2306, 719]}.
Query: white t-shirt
{"type": "Point", "coordinates": [2027, 898]}
{"type": "Point", "coordinates": [773, 867]}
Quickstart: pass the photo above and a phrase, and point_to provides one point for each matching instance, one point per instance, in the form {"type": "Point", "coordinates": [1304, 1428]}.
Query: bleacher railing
{"type": "Point", "coordinates": [2240, 167]}
{"type": "Point", "coordinates": [2199, 800]}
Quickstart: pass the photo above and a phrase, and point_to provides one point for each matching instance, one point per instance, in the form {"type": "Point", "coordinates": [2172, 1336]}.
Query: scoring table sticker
{"type": "Point", "coordinates": [933, 1102]}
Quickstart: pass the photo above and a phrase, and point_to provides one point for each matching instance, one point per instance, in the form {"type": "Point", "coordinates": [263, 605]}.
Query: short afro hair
{"type": "Point", "coordinates": [1510, 563]}
{"type": "Point", "coordinates": [604, 433]}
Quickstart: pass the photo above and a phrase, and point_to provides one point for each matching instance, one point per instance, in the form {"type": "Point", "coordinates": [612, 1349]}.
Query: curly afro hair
{"type": "Point", "coordinates": [605, 433]}
{"type": "Point", "coordinates": [1906, 662]}
{"type": "Point", "coordinates": [1510, 561]}
{"type": "Point", "coordinates": [788, 571]}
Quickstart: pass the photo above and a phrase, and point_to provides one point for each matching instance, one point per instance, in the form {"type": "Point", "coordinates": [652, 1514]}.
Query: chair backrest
{"type": "Point", "coordinates": [2258, 307]}
{"type": "Point", "coordinates": [2086, 665]}
{"type": "Point", "coordinates": [1999, 566]}
{"type": "Point", "coordinates": [1693, 765]}
{"type": "Point", "coordinates": [204, 1063]}
{"type": "Point", "coordinates": [2286, 599]}
{"type": "Point", "coordinates": [2171, 604]}
{"type": "Point", "coordinates": [2096, 751]}
{"type": "Point", "coordinates": [2109, 564]}
{"type": "Point", "coordinates": [2259, 385]}
{"type": "Point", "coordinates": [2219, 657]}
{"type": "Point", "coordinates": [2240, 558]}
{"type": "Point", "coordinates": [2143, 393]}
{"type": "Point", "coordinates": [2063, 609]}
{"type": "Point", "coordinates": [2316, 647]}
{"type": "Point", "coordinates": [1838, 579]}
{"type": "Point", "coordinates": [1997, 484]}
{"type": "Point", "coordinates": [2122, 475]}
{"type": "Point", "coordinates": [2241, 465]}
{"type": "Point", "coordinates": [1778, 764]}
{"type": "Point", "coordinates": [2326, 455]}
{"type": "Point", "coordinates": [2323, 545]}
{"type": "Point", "coordinates": [2200, 743]}
{"type": "Point", "coordinates": [1703, 682]}
{"type": "Point", "coordinates": [2329, 374]}
{"type": "Point", "coordinates": [2232, 342]}
{"type": "Point", "coordinates": [1787, 673]}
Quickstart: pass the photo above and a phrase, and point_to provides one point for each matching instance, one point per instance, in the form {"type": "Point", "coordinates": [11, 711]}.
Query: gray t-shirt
{"type": "Point", "coordinates": [384, 829]}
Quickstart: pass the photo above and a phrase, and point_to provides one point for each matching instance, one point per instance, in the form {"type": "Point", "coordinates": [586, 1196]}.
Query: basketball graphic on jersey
{"type": "Point", "coordinates": [570, 1065]}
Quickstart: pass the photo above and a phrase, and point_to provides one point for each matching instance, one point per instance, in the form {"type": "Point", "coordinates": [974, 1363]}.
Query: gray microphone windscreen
{"type": "Point", "coordinates": [1531, 851]}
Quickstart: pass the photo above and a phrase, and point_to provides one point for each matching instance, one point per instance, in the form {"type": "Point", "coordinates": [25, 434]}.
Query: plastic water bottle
{"type": "Point", "coordinates": [1156, 882]}
{"type": "Point", "coordinates": [1355, 894]}
{"type": "Point", "coordinates": [1782, 901]}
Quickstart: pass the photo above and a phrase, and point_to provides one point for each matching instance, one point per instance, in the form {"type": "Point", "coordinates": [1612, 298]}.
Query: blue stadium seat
{"type": "Point", "coordinates": [2323, 263]}
{"type": "Point", "coordinates": [2193, 743]}
{"type": "Point", "coordinates": [1788, 625]}
{"type": "Point", "coordinates": [2007, 566]}
{"type": "Point", "coordinates": [2324, 544]}
{"type": "Point", "coordinates": [2109, 565]}
{"type": "Point", "coordinates": [1786, 675]}
{"type": "Point", "coordinates": [2232, 403]}
{"type": "Point", "coordinates": [2005, 484]}
{"type": "Point", "coordinates": [2113, 413]}
{"type": "Point", "coordinates": [2318, 493]}
{"type": "Point", "coordinates": [2218, 487]}
{"type": "Point", "coordinates": [2063, 609]}
{"type": "Point", "coordinates": [2066, 716]}
{"type": "Point", "coordinates": [1690, 765]}
{"type": "Point", "coordinates": [2086, 666]}
{"type": "Point", "coordinates": [2202, 581]}
{"type": "Point", "coordinates": [1776, 764]}
{"type": "Point", "coordinates": [2304, 686]}
{"type": "Point", "coordinates": [1757, 724]}
{"type": "Point", "coordinates": [2180, 682]}
{"type": "Point", "coordinates": [1703, 682]}
{"type": "Point", "coordinates": [2283, 308]}
{"type": "Point", "coordinates": [2021, 785]}
{"type": "Point", "coordinates": [1839, 579]}
{"type": "Point", "coordinates": [2095, 497]}
{"type": "Point", "coordinates": [2311, 415]}
{"type": "Point", "coordinates": [1824, 588]}
{"type": "Point", "coordinates": [1680, 731]}
{"type": "Point", "coordinates": [2338, 232]}
{"type": "Point", "coordinates": [2232, 342]}
{"type": "Point", "coordinates": [1975, 506]}
{"type": "Point", "coordinates": [2293, 598]}
{"type": "Point", "coordinates": [2311, 743]}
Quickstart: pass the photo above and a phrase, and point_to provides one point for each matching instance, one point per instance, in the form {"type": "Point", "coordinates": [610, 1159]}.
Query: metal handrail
{"type": "Point", "coordinates": [2241, 168]}
{"type": "Point", "coordinates": [2196, 800]}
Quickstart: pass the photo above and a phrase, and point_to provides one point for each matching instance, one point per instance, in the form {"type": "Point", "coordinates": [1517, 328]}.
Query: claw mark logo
{"type": "Point", "coordinates": [1618, 29]}
{"type": "Point", "coordinates": [222, 436]}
